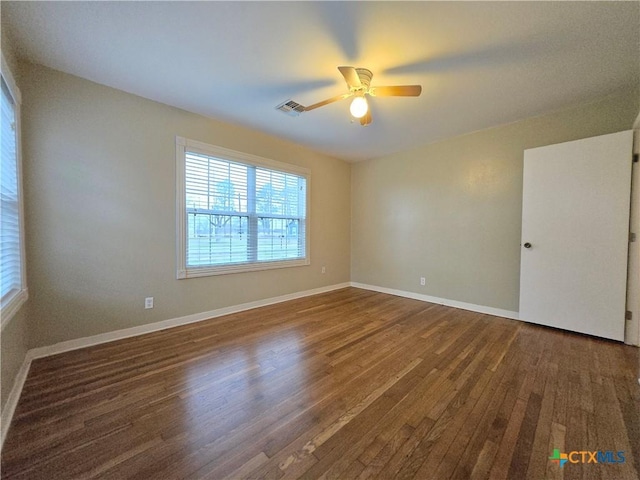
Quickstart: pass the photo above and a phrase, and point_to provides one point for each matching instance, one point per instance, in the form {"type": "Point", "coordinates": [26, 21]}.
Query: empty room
{"type": "Point", "coordinates": [320, 240]}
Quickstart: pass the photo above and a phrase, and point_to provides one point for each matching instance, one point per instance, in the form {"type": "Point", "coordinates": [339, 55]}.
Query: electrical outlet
{"type": "Point", "coordinates": [324, 269]}
{"type": "Point", "coordinates": [423, 281]}
{"type": "Point", "coordinates": [148, 302]}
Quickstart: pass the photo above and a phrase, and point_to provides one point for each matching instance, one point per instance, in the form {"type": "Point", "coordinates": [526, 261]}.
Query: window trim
{"type": "Point", "coordinates": [182, 146]}
{"type": "Point", "coordinates": [13, 303]}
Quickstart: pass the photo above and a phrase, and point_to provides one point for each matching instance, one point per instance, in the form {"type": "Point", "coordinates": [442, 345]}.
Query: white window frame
{"type": "Point", "coordinates": [10, 306]}
{"type": "Point", "coordinates": [184, 145]}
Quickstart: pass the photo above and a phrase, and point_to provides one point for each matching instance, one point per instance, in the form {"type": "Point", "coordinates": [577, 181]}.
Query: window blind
{"type": "Point", "coordinates": [241, 214]}
{"type": "Point", "coordinates": [10, 248]}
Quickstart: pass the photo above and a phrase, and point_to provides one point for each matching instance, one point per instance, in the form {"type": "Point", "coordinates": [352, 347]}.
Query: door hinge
{"type": "Point", "coordinates": [628, 315]}
{"type": "Point", "coordinates": [632, 237]}
{"type": "Point", "coordinates": [635, 157]}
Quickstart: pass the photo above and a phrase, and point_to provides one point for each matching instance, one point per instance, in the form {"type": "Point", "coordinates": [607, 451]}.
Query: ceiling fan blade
{"type": "Point", "coordinates": [366, 120]}
{"type": "Point", "coordinates": [327, 101]}
{"type": "Point", "coordinates": [396, 91]}
{"type": "Point", "coordinates": [351, 76]}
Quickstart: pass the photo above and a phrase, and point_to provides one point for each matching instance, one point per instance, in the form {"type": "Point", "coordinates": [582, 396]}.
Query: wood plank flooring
{"type": "Point", "coordinates": [350, 384]}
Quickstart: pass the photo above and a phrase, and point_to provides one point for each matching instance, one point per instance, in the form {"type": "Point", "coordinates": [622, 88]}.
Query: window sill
{"type": "Point", "coordinates": [208, 271]}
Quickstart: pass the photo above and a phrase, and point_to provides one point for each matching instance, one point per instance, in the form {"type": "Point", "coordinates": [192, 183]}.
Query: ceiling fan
{"type": "Point", "coordinates": [359, 83]}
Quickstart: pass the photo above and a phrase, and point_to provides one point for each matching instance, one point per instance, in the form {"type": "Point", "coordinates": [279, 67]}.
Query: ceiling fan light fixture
{"type": "Point", "coordinates": [359, 83]}
{"type": "Point", "coordinates": [359, 107]}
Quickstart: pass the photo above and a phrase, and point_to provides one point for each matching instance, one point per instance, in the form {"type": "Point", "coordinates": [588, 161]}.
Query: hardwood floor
{"type": "Point", "coordinates": [348, 384]}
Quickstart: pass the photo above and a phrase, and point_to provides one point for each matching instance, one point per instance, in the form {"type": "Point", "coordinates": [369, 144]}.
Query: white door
{"type": "Point", "coordinates": [575, 233]}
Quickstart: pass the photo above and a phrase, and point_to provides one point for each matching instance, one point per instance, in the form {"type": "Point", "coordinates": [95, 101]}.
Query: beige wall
{"type": "Point", "coordinates": [100, 207]}
{"type": "Point", "coordinates": [8, 52]}
{"type": "Point", "coordinates": [99, 184]}
{"type": "Point", "coordinates": [451, 211]}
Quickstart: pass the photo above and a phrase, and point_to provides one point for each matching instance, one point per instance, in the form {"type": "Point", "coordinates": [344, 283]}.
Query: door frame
{"type": "Point", "coordinates": [632, 327]}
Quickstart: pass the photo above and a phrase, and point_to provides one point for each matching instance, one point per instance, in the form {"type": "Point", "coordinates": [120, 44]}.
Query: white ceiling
{"type": "Point", "coordinates": [481, 64]}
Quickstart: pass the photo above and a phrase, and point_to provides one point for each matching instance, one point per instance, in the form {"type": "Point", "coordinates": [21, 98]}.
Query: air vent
{"type": "Point", "coordinates": [291, 108]}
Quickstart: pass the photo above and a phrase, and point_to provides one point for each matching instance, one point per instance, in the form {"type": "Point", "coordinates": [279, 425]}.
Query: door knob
{"type": "Point", "coordinates": [527, 245]}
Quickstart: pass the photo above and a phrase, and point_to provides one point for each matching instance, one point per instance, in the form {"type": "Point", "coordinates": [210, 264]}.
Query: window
{"type": "Point", "coordinates": [12, 278]}
{"type": "Point", "coordinates": [238, 212]}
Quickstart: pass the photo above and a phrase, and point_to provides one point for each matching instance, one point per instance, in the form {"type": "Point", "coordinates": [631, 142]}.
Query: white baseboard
{"type": "Point", "coordinates": [441, 301]}
{"type": "Point", "coordinates": [173, 322]}
{"type": "Point", "coordinates": [12, 401]}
